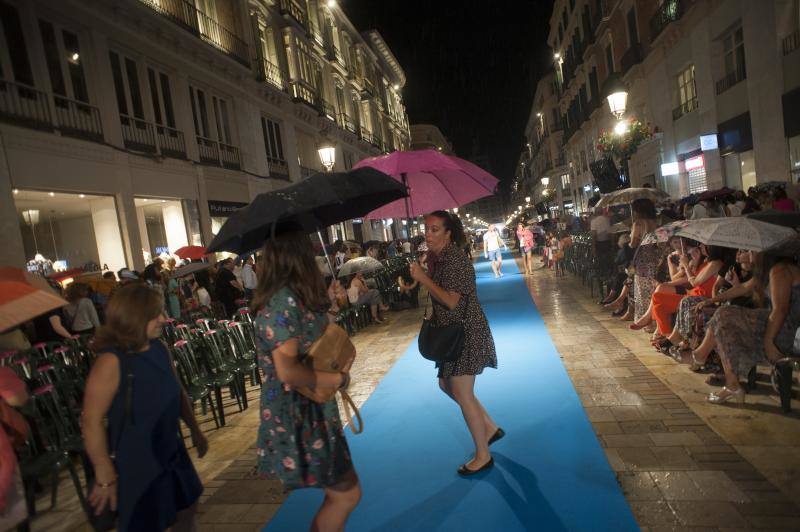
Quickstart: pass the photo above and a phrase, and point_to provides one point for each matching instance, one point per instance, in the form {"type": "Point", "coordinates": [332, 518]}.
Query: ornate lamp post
{"type": "Point", "coordinates": [617, 96]}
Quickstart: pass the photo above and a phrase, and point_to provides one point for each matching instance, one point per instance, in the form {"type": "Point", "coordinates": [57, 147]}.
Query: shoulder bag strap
{"type": "Point", "coordinates": [348, 404]}
{"type": "Point", "coordinates": [126, 383]}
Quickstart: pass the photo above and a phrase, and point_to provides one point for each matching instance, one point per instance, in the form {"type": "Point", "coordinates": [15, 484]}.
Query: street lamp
{"type": "Point", "coordinates": [617, 96]}
{"type": "Point", "coordinates": [327, 155]}
{"type": "Point", "coordinates": [527, 199]}
{"type": "Point", "coordinates": [545, 181]}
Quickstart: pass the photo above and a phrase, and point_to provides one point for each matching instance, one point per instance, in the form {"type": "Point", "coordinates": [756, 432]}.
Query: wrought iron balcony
{"type": "Point", "coordinates": [278, 169]}
{"type": "Point", "coordinates": [631, 58]}
{"type": "Point", "coordinates": [305, 171]}
{"type": "Point", "coordinates": [229, 156]}
{"type": "Point", "coordinates": [295, 10]}
{"type": "Point", "coordinates": [218, 153]}
{"type": "Point", "coordinates": [730, 80]}
{"type": "Point", "coordinates": [669, 12]}
{"type": "Point", "coordinates": [791, 42]}
{"type": "Point", "coordinates": [304, 92]}
{"type": "Point", "coordinates": [170, 142]}
{"type": "Point", "coordinates": [272, 74]}
{"type": "Point", "coordinates": [369, 89]}
{"type": "Point", "coordinates": [345, 122]}
{"type": "Point", "coordinates": [684, 108]}
{"type": "Point", "coordinates": [208, 150]}
{"type": "Point", "coordinates": [138, 135]}
{"type": "Point", "coordinates": [326, 109]}
{"type": "Point", "coordinates": [187, 16]}
{"type": "Point", "coordinates": [78, 119]}
{"type": "Point", "coordinates": [24, 106]}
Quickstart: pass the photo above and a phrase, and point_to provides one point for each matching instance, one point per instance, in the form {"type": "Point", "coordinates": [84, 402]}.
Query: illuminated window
{"type": "Point", "coordinates": [697, 180]}
{"type": "Point", "coordinates": [687, 91]}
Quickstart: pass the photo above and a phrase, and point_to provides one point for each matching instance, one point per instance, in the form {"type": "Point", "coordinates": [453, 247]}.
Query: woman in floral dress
{"type": "Point", "coordinates": [645, 262]}
{"type": "Point", "coordinates": [300, 442]}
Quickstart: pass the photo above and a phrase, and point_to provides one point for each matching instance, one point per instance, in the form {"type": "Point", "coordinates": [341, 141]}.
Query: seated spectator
{"type": "Point", "coordinates": [359, 294]}
{"type": "Point", "coordinates": [744, 337]}
{"type": "Point", "coordinates": [781, 202]}
{"type": "Point", "coordinates": [80, 315]}
{"type": "Point", "coordinates": [13, 429]}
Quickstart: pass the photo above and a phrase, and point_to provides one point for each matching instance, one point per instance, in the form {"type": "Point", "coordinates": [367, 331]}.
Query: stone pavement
{"type": "Point", "coordinates": [683, 463]}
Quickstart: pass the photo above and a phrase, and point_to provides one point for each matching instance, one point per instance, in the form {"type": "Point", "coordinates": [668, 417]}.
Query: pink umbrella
{"type": "Point", "coordinates": [435, 181]}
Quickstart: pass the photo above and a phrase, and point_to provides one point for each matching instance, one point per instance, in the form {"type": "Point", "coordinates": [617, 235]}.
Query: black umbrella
{"type": "Point", "coordinates": [782, 218]}
{"type": "Point", "coordinates": [322, 200]}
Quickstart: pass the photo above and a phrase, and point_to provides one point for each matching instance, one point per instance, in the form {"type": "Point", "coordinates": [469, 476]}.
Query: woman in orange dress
{"type": "Point", "coordinates": [667, 298]}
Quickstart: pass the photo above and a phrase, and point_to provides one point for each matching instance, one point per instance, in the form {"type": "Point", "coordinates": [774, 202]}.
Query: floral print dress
{"type": "Point", "coordinates": [301, 442]}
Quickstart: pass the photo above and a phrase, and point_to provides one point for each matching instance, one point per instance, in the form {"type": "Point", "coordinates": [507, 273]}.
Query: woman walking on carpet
{"type": "Point", "coordinates": [454, 297]}
{"type": "Point", "coordinates": [301, 442]}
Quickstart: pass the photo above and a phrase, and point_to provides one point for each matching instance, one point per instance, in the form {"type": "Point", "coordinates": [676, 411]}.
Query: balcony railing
{"type": "Point", "coordinates": [365, 135]}
{"type": "Point", "coordinates": [295, 10]}
{"type": "Point", "coordinates": [208, 150]}
{"type": "Point", "coordinates": [326, 109]}
{"type": "Point", "coordinates": [272, 74]}
{"type": "Point", "coordinates": [278, 169]}
{"type": "Point", "coordinates": [369, 87]}
{"type": "Point", "coordinates": [186, 15]}
{"type": "Point", "coordinates": [229, 156]}
{"type": "Point", "coordinates": [303, 92]}
{"type": "Point", "coordinates": [78, 119]}
{"type": "Point", "coordinates": [138, 135]}
{"type": "Point", "coordinates": [730, 80]}
{"type": "Point", "coordinates": [630, 58]}
{"type": "Point", "coordinates": [345, 122]}
{"type": "Point", "coordinates": [25, 106]}
{"type": "Point", "coordinates": [170, 142]}
{"type": "Point", "coordinates": [669, 12]}
{"type": "Point", "coordinates": [307, 172]}
{"type": "Point", "coordinates": [791, 42]}
{"type": "Point", "coordinates": [684, 108]}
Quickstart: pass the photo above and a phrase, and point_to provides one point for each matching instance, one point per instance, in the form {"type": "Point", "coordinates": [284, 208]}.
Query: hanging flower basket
{"type": "Point", "coordinates": [626, 144]}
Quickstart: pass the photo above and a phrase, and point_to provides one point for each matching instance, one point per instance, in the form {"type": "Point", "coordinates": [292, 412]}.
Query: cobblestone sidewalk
{"type": "Point", "coordinates": [679, 460]}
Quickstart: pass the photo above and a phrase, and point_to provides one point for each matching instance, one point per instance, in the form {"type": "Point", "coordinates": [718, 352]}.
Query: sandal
{"type": "Point", "coordinates": [664, 346]}
{"type": "Point", "coordinates": [696, 365]}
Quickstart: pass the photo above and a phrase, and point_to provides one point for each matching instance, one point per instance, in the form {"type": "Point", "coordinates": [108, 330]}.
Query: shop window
{"type": "Point", "coordinates": [13, 66]}
{"type": "Point", "coordinates": [162, 226]}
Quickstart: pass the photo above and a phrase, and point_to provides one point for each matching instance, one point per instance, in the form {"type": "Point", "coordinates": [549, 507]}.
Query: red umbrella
{"type": "Point", "coordinates": [435, 181]}
{"type": "Point", "coordinates": [191, 252]}
{"type": "Point", "coordinates": [20, 302]}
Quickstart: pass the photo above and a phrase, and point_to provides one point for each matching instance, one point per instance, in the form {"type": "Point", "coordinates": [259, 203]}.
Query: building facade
{"type": "Point", "coordinates": [716, 81]}
{"type": "Point", "coordinates": [430, 137]}
{"type": "Point", "coordinates": [133, 127]}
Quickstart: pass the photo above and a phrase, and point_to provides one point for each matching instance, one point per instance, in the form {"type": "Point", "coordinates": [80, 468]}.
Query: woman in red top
{"type": "Point", "coordinates": [666, 299]}
{"type": "Point", "coordinates": [525, 237]}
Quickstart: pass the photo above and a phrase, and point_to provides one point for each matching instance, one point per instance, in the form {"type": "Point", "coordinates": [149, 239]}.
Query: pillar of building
{"type": "Point", "coordinates": [12, 252]}
{"type": "Point", "coordinates": [106, 232]}
{"type": "Point", "coordinates": [764, 90]}
{"type": "Point", "coordinates": [174, 227]}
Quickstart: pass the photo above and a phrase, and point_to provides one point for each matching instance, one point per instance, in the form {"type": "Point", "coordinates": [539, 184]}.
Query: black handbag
{"type": "Point", "coordinates": [442, 343]}
{"type": "Point", "coordinates": [107, 519]}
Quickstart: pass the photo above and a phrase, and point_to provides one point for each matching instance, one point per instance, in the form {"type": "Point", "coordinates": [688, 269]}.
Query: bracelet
{"type": "Point", "coordinates": [107, 485]}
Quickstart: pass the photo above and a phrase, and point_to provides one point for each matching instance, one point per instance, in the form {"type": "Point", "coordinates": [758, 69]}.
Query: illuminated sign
{"type": "Point", "coordinates": [708, 142]}
{"type": "Point", "coordinates": [694, 163]}
{"type": "Point", "coordinates": [670, 169]}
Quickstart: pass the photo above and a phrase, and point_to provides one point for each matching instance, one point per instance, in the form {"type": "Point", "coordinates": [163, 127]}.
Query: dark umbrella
{"type": "Point", "coordinates": [783, 218]}
{"type": "Point", "coordinates": [321, 200]}
{"type": "Point", "coordinates": [714, 194]}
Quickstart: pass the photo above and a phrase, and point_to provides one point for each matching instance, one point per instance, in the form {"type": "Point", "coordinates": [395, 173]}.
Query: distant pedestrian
{"type": "Point", "coordinates": [301, 442]}
{"type": "Point", "coordinates": [249, 278]}
{"type": "Point", "coordinates": [492, 242]}
{"type": "Point", "coordinates": [228, 289]}
{"type": "Point", "coordinates": [527, 244]}
{"type": "Point", "coordinates": [151, 480]}
{"type": "Point", "coordinates": [454, 296]}
{"type": "Point", "coordinates": [80, 315]}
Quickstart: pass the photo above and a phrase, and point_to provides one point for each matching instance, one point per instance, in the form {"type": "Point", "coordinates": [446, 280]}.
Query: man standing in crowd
{"type": "Point", "coordinates": [228, 289]}
{"type": "Point", "coordinates": [601, 238]}
{"type": "Point", "coordinates": [249, 278]}
{"type": "Point", "coordinates": [492, 242]}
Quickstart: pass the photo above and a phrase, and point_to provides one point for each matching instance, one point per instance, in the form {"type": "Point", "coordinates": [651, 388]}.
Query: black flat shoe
{"type": "Point", "coordinates": [498, 435]}
{"type": "Point", "coordinates": [464, 471]}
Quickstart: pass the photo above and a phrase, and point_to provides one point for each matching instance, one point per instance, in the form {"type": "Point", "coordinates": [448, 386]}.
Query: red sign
{"type": "Point", "coordinates": [694, 163]}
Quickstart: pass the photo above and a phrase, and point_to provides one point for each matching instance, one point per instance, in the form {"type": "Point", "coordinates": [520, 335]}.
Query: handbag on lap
{"type": "Point", "coordinates": [330, 353]}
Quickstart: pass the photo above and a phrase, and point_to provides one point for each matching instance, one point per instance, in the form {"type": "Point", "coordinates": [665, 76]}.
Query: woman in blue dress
{"type": "Point", "coordinates": [141, 466]}
{"type": "Point", "coordinates": [300, 442]}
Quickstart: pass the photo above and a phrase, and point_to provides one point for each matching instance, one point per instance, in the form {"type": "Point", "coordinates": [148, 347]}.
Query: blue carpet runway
{"type": "Point", "coordinates": [550, 472]}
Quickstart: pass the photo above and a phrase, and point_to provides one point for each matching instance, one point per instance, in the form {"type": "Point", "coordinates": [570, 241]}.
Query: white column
{"type": "Point", "coordinates": [142, 225]}
{"type": "Point", "coordinates": [174, 227]}
{"type": "Point", "coordinates": [106, 231]}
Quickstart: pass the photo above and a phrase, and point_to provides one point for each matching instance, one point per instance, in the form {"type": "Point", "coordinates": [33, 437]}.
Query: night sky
{"type": "Point", "coordinates": [471, 66]}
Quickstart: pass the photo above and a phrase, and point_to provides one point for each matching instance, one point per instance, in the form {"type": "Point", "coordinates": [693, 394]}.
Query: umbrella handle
{"type": "Point", "coordinates": [325, 252]}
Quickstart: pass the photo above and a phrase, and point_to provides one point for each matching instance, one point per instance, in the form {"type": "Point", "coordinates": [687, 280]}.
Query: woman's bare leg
{"type": "Point", "coordinates": [491, 426]}
{"type": "Point", "coordinates": [340, 500]}
{"type": "Point", "coordinates": [462, 388]}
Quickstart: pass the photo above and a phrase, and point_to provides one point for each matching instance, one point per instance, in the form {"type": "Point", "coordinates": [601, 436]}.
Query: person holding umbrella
{"type": "Point", "coordinates": [453, 291]}
{"type": "Point", "coordinates": [301, 442]}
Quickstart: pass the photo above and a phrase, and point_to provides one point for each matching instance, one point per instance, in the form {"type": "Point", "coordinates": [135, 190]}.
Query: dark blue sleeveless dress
{"type": "Point", "coordinates": [156, 478]}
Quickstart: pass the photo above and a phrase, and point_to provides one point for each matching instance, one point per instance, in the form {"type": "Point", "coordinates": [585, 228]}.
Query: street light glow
{"type": "Point", "coordinates": [621, 128]}
{"type": "Point", "coordinates": [327, 155]}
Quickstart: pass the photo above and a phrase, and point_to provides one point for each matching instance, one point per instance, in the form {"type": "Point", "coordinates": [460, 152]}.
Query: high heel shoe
{"type": "Point", "coordinates": [726, 394]}
{"type": "Point", "coordinates": [697, 365]}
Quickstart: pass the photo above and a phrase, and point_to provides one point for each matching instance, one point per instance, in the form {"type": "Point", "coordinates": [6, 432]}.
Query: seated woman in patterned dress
{"type": "Point", "coordinates": [453, 292]}
{"type": "Point", "coordinates": [301, 442]}
{"type": "Point", "coordinates": [744, 337]}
